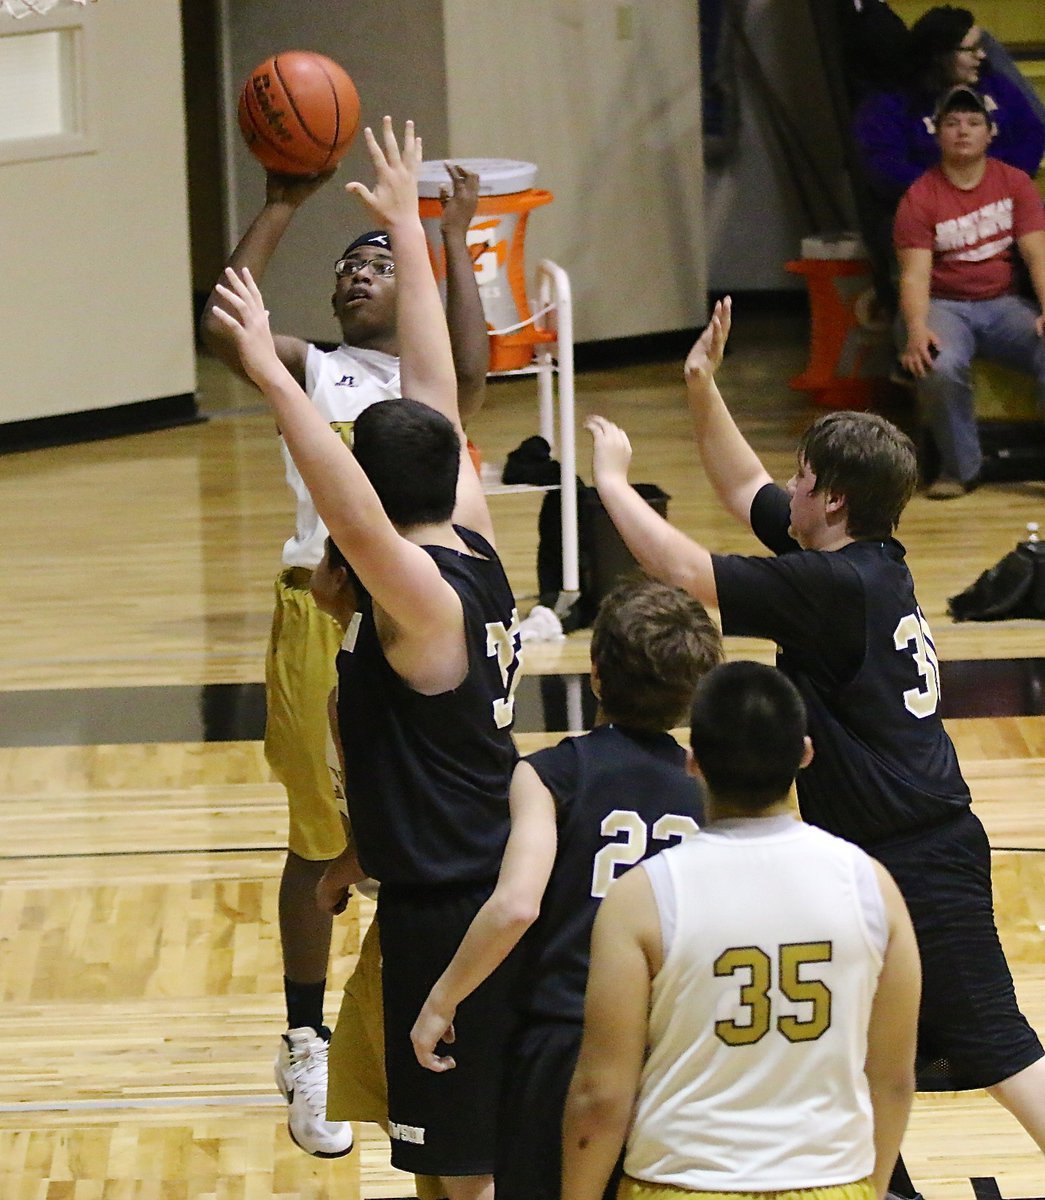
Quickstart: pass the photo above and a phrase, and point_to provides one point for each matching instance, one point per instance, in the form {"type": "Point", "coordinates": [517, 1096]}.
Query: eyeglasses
{"type": "Point", "coordinates": [975, 48]}
{"type": "Point", "coordinates": [382, 267]}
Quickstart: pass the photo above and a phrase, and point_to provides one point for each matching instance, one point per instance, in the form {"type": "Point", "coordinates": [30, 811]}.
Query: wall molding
{"type": "Point", "coordinates": [143, 416]}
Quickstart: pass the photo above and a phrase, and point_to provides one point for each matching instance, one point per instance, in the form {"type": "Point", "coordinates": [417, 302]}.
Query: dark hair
{"type": "Point", "coordinates": [410, 453]}
{"type": "Point", "coordinates": [747, 733]}
{"type": "Point", "coordinates": [650, 644]}
{"type": "Point", "coordinates": [934, 37]}
{"type": "Point", "coordinates": [339, 562]}
{"type": "Point", "coordinates": [866, 459]}
{"type": "Point", "coordinates": [337, 559]}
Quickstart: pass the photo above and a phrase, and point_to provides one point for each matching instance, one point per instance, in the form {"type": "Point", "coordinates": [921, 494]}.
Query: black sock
{"type": "Point", "coordinates": [305, 1005]}
{"type": "Point", "coordinates": [900, 1181]}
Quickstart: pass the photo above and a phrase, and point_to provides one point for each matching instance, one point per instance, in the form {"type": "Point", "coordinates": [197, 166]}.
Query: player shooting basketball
{"type": "Point", "coordinates": [299, 665]}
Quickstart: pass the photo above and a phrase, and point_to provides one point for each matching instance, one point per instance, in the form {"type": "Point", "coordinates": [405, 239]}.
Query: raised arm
{"type": "Point", "coordinates": [426, 358]}
{"type": "Point", "coordinates": [469, 339]}
{"type": "Point", "coordinates": [495, 930]}
{"type": "Point", "coordinates": [284, 195]}
{"type": "Point", "coordinates": [402, 578]}
{"type": "Point", "coordinates": [892, 1034]}
{"type": "Point", "coordinates": [426, 364]}
{"type": "Point", "coordinates": [659, 548]}
{"type": "Point", "coordinates": [624, 960]}
{"type": "Point", "coordinates": [732, 467]}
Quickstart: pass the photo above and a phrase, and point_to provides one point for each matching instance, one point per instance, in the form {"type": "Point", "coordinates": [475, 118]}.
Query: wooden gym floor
{"type": "Point", "coordinates": [141, 835]}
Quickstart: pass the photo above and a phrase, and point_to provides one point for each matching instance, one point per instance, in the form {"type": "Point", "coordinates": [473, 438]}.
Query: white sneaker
{"type": "Point", "coordinates": [301, 1075]}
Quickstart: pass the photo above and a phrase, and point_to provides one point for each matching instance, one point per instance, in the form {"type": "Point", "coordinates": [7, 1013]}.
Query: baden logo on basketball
{"type": "Point", "coordinates": [274, 117]}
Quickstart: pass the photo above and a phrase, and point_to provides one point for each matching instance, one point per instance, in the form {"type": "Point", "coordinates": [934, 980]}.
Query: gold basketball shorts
{"type": "Point", "coordinates": [635, 1189]}
{"type": "Point", "coordinates": [299, 676]}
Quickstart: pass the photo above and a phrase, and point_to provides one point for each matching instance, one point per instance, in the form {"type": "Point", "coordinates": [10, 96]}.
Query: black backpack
{"type": "Point", "coordinates": [1013, 587]}
{"type": "Point", "coordinates": [602, 556]}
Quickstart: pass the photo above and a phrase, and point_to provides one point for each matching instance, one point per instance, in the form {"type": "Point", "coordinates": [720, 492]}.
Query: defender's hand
{"type": "Point", "coordinates": [393, 199]}
{"type": "Point", "coordinates": [611, 451]}
{"type": "Point", "coordinates": [430, 1028]}
{"type": "Point", "coordinates": [705, 358]}
{"type": "Point", "coordinates": [242, 312]}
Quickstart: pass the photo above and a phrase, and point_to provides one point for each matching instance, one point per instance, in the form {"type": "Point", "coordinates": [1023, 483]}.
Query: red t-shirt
{"type": "Point", "coordinates": [970, 233]}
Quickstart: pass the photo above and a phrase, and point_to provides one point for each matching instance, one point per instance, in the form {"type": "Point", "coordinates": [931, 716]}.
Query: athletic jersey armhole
{"type": "Point", "coordinates": [313, 357]}
{"type": "Point", "coordinates": [659, 875]}
{"type": "Point", "coordinates": [871, 901]}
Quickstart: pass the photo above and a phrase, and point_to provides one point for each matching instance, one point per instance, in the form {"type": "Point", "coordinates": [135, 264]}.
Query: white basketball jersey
{"type": "Point", "coordinates": [341, 383]}
{"type": "Point", "coordinates": [758, 1025]}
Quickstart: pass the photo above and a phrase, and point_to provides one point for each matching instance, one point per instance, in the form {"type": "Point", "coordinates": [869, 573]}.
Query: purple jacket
{"type": "Point", "coordinates": [895, 144]}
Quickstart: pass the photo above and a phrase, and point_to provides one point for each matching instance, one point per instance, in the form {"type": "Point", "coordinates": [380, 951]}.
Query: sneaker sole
{"type": "Point", "coordinates": [321, 1153]}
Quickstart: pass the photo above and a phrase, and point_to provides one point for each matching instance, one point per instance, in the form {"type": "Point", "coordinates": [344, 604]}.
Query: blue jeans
{"type": "Point", "coordinates": [1001, 329]}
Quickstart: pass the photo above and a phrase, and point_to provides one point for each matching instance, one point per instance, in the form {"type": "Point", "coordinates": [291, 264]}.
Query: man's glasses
{"type": "Point", "coordinates": [382, 267]}
{"type": "Point", "coordinates": [975, 48]}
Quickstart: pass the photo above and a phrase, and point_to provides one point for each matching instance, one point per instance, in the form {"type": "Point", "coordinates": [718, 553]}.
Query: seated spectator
{"type": "Point", "coordinates": [893, 143]}
{"type": "Point", "coordinates": [893, 129]}
{"type": "Point", "coordinates": [955, 234]}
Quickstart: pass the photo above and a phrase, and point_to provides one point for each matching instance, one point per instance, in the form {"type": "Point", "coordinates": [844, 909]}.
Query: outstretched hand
{"type": "Point", "coordinates": [394, 195]}
{"type": "Point", "coordinates": [459, 204]}
{"type": "Point", "coordinates": [705, 358]}
{"type": "Point", "coordinates": [430, 1028]}
{"type": "Point", "coordinates": [242, 312]}
{"type": "Point", "coordinates": [611, 451]}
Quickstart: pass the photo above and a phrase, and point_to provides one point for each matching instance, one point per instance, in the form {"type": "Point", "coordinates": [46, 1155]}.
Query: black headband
{"type": "Point", "coordinates": [375, 237]}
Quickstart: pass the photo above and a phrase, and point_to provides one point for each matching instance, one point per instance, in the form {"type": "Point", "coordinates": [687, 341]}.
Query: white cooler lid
{"type": "Point", "coordinates": [497, 176]}
{"type": "Point", "coordinates": [844, 244]}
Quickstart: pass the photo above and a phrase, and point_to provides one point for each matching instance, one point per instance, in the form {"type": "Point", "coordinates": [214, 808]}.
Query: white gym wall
{"type": "Point", "coordinates": [96, 305]}
{"type": "Point", "coordinates": [604, 97]}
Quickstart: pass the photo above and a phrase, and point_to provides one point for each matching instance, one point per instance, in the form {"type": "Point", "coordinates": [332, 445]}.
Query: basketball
{"type": "Point", "coordinates": [298, 112]}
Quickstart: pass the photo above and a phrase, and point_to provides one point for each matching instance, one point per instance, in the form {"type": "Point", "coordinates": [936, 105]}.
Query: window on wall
{"type": "Point", "coordinates": [43, 88]}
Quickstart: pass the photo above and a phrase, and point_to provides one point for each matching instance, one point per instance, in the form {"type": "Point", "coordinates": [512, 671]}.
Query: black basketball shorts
{"type": "Point", "coordinates": [970, 1026]}
{"type": "Point", "coordinates": [529, 1150]}
{"type": "Point", "coordinates": [441, 1123]}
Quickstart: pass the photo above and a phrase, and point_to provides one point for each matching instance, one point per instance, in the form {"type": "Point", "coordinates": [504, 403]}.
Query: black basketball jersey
{"type": "Point", "coordinates": [852, 638]}
{"type": "Point", "coordinates": [427, 777]}
{"type": "Point", "coordinates": [620, 796]}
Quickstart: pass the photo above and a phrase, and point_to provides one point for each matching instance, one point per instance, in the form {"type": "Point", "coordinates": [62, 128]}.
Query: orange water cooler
{"type": "Point", "coordinates": [497, 237]}
{"type": "Point", "coordinates": [850, 345]}
{"type": "Point", "coordinates": [527, 341]}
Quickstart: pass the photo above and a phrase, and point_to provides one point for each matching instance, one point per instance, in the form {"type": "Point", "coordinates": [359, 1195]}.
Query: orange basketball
{"type": "Point", "coordinates": [298, 112]}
